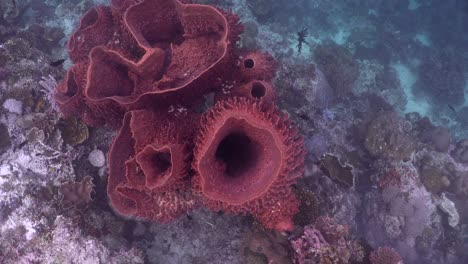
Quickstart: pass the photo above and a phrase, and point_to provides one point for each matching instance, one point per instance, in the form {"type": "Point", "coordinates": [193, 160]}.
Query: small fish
{"type": "Point", "coordinates": [301, 38]}
{"type": "Point", "coordinates": [21, 145]}
{"type": "Point", "coordinates": [57, 63]}
{"type": "Point", "coordinates": [452, 108]}
{"type": "Point", "coordinates": [304, 117]}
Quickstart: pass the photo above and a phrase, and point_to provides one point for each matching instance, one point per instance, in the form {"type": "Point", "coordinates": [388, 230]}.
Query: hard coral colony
{"type": "Point", "coordinates": [150, 63]}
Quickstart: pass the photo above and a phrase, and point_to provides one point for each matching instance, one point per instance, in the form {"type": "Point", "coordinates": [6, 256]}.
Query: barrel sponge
{"type": "Point", "coordinates": [246, 158]}
{"type": "Point", "coordinates": [149, 164]}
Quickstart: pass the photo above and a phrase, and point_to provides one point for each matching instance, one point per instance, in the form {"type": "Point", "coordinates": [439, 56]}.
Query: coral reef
{"type": "Point", "coordinates": [299, 79]}
{"type": "Point", "coordinates": [411, 213]}
{"type": "Point", "coordinates": [377, 88]}
{"type": "Point", "coordinates": [166, 65]}
{"type": "Point", "coordinates": [387, 137]}
{"type": "Point", "coordinates": [385, 255]}
{"type": "Point", "coordinates": [76, 194]}
{"type": "Point", "coordinates": [309, 209]}
{"type": "Point", "coordinates": [66, 238]}
{"type": "Point", "coordinates": [74, 132]}
{"type": "Point", "coordinates": [267, 246]}
{"type": "Point", "coordinates": [383, 81]}
{"type": "Point", "coordinates": [326, 242]}
{"type": "Point", "coordinates": [37, 180]}
{"type": "Point", "coordinates": [441, 139]}
{"type": "Point", "coordinates": [339, 67]}
{"type": "Point", "coordinates": [332, 167]}
{"type": "Point", "coordinates": [203, 238]}
{"type": "Point", "coordinates": [460, 152]}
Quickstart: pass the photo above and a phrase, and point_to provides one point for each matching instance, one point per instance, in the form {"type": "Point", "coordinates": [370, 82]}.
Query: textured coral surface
{"type": "Point", "coordinates": [135, 55]}
{"type": "Point", "coordinates": [376, 86]}
{"type": "Point", "coordinates": [246, 159]}
{"type": "Point", "coordinates": [163, 56]}
{"type": "Point", "coordinates": [149, 165]}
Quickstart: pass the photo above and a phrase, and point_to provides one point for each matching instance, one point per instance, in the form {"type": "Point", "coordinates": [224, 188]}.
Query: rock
{"type": "Point", "coordinates": [441, 139]}
{"type": "Point", "coordinates": [460, 153]}
{"type": "Point", "coordinates": [4, 139]}
{"type": "Point", "coordinates": [448, 207]}
{"type": "Point", "coordinates": [332, 167]}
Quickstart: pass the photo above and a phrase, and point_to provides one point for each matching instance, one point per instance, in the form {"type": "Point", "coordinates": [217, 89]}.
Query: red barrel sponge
{"type": "Point", "coordinates": [149, 163]}
{"type": "Point", "coordinates": [246, 159]}
{"type": "Point", "coordinates": [257, 66]}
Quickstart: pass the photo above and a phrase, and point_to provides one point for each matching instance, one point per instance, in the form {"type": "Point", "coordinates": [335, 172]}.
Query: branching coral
{"type": "Point", "coordinates": [246, 159]}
